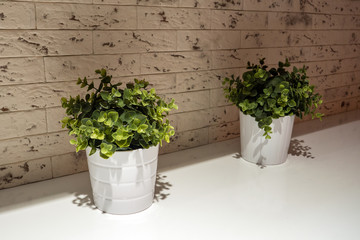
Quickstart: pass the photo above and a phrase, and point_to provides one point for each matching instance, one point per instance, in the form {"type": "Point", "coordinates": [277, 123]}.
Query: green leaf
{"type": "Point", "coordinates": [106, 96]}
{"type": "Point", "coordinates": [102, 117]}
{"type": "Point", "coordinates": [107, 149]}
{"type": "Point", "coordinates": [292, 103]}
{"type": "Point", "coordinates": [103, 72]}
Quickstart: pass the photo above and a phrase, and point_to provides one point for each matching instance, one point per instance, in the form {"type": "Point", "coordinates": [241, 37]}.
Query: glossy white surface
{"type": "Point", "coordinates": [125, 182]}
{"type": "Point", "coordinates": [209, 193]}
{"type": "Point", "coordinates": [256, 149]}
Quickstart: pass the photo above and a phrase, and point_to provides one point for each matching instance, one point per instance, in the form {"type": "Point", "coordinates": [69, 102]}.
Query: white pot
{"type": "Point", "coordinates": [256, 149]}
{"type": "Point", "coordinates": [124, 183]}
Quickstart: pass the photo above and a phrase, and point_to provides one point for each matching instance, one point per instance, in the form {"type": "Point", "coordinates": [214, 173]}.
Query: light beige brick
{"type": "Point", "coordinates": [224, 132]}
{"type": "Point", "coordinates": [173, 3]}
{"type": "Point", "coordinates": [191, 101]}
{"type": "Point", "coordinates": [280, 20]}
{"type": "Point", "coordinates": [173, 18]}
{"type": "Point", "coordinates": [226, 40]}
{"type": "Point", "coordinates": [35, 96]}
{"type": "Point", "coordinates": [306, 38]}
{"type": "Point", "coordinates": [216, 4]}
{"type": "Point", "coordinates": [293, 54]}
{"type": "Point", "coordinates": [70, 163]}
{"type": "Point", "coordinates": [54, 117]}
{"type": "Point", "coordinates": [205, 40]}
{"type": "Point", "coordinates": [173, 121]}
{"type": "Point", "coordinates": [353, 104]}
{"type": "Point", "coordinates": [192, 120]}
{"type": "Point", "coordinates": [111, 42]}
{"type": "Point", "coordinates": [22, 124]}
{"type": "Point", "coordinates": [217, 98]}
{"type": "Point", "coordinates": [334, 94]}
{"type": "Point", "coordinates": [20, 173]}
{"type": "Point", "coordinates": [336, 107]}
{"type": "Point", "coordinates": [272, 5]}
{"type": "Point", "coordinates": [221, 115]}
{"type": "Point", "coordinates": [200, 80]}
{"type": "Point", "coordinates": [72, 67]}
{"type": "Point", "coordinates": [334, 80]}
{"type": "Point", "coordinates": [64, 1]}
{"type": "Point", "coordinates": [15, 15]}
{"type": "Point", "coordinates": [237, 58]}
{"type": "Point", "coordinates": [33, 147]}
{"type": "Point", "coordinates": [327, 21]}
{"type": "Point", "coordinates": [331, 6]}
{"type": "Point", "coordinates": [332, 67]}
{"type": "Point", "coordinates": [30, 43]}
{"type": "Point", "coordinates": [255, 39]}
{"type": "Point", "coordinates": [114, 2]}
{"type": "Point", "coordinates": [194, 40]}
{"type": "Point", "coordinates": [81, 16]}
{"type": "Point", "coordinates": [21, 70]}
{"type": "Point", "coordinates": [184, 140]}
{"type": "Point", "coordinates": [174, 62]}
{"type": "Point", "coordinates": [334, 52]}
{"type": "Point", "coordinates": [238, 20]}
{"type": "Point", "coordinates": [163, 83]}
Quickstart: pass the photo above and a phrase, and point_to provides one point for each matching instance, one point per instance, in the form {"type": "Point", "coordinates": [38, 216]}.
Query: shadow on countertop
{"type": "Point", "coordinates": [297, 148]}
{"type": "Point", "coordinates": [78, 185]}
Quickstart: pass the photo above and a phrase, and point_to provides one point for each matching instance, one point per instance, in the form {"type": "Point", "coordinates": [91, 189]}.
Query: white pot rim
{"type": "Point", "coordinates": [98, 149]}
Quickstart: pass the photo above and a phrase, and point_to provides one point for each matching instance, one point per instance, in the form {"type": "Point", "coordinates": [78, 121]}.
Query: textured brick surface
{"type": "Point", "coordinates": [17, 15]}
{"type": "Point", "coordinates": [69, 163]}
{"type": "Point", "coordinates": [133, 41]}
{"type": "Point", "coordinates": [19, 124]}
{"type": "Point", "coordinates": [183, 47]}
{"type": "Point", "coordinates": [21, 70]}
{"type": "Point", "coordinates": [35, 43]}
{"type": "Point", "coordinates": [84, 16]}
{"type": "Point", "coordinates": [173, 18]}
{"type": "Point", "coordinates": [16, 174]}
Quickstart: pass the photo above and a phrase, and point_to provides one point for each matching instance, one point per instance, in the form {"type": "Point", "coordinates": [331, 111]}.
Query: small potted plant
{"type": "Point", "coordinates": [121, 130]}
{"type": "Point", "coordinates": [268, 101]}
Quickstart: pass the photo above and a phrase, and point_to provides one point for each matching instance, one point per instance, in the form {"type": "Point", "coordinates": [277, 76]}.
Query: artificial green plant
{"type": "Point", "coordinates": [270, 94]}
{"type": "Point", "coordinates": [113, 119]}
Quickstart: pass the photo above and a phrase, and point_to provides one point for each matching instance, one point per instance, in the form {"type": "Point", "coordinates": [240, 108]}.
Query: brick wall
{"type": "Point", "coordinates": [183, 47]}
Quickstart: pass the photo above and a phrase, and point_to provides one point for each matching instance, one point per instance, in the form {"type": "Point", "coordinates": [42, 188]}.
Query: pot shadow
{"type": "Point", "coordinates": [85, 198]}
{"type": "Point", "coordinates": [259, 163]}
{"type": "Point", "coordinates": [297, 148]}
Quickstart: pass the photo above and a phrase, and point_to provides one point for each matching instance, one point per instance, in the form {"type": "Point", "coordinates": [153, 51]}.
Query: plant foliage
{"type": "Point", "coordinates": [113, 119]}
{"type": "Point", "coordinates": [270, 94]}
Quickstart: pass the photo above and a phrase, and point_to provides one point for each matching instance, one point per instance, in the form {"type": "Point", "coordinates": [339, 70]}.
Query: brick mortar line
{"type": "Point", "coordinates": [175, 51]}
{"type": "Point", "coordinates": [184, 29]}
{"type": "Point", "coordinates": [194, 8]}
{"type": "Point", "coordinates": [172, 29]}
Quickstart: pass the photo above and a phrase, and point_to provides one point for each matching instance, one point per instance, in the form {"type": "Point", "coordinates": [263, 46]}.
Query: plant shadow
{"type": "Point", "coordinates": [162, 186]}
{"type": "Point", "coordinates": [297, 148]}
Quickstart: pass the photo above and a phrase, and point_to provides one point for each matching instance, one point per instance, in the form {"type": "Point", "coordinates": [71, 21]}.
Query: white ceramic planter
{"type": "Point", "coordinates": [124, 183]}
{"type": "Point", "coordinates": [256, 149]}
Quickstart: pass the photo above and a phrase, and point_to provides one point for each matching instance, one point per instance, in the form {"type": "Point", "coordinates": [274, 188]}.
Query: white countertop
{"type": "Point", "coordinates": [209, 193]}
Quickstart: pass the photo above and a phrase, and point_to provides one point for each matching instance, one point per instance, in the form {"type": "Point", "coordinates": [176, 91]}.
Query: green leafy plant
{"type": "Point", "coordinates": [270, 94]}
{"type": "Point", "coordinates": [113, 119]}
